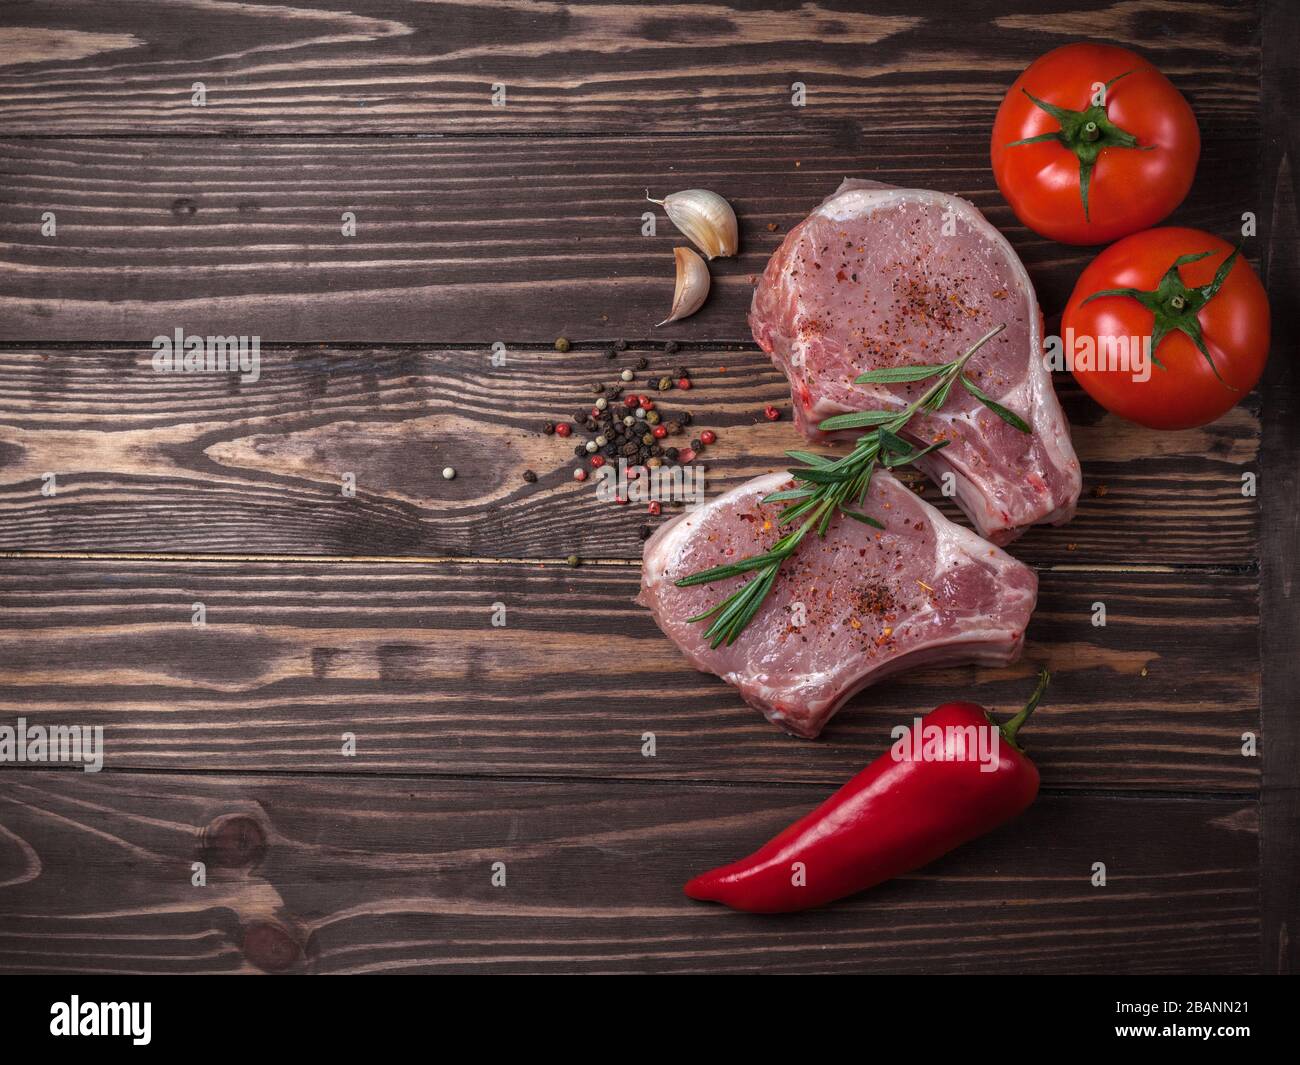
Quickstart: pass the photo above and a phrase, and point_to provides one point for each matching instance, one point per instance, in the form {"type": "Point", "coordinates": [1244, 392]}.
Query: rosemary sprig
{"type": "Point", "coordinates": [829, 486]}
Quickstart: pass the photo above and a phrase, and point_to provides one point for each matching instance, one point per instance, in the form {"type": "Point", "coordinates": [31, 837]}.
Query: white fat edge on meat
{"type": "Point", "coordinates": [973, 502]}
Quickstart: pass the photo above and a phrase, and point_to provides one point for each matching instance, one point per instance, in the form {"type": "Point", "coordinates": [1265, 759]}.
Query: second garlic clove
{"type": "Point", "coordinates": [692, 285]}
{"type": "Point", "coordinates": [705, 218]}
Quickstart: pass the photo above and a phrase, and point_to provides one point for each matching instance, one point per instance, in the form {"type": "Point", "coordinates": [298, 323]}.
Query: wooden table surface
{"type": "Point", "coordinates": [370, 615]}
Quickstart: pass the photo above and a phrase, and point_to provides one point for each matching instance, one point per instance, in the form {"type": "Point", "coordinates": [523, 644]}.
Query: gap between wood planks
{"type": "Point", "coordinates": [695, 783]}
{"type": "Point", "coordinates": [1245, 569]}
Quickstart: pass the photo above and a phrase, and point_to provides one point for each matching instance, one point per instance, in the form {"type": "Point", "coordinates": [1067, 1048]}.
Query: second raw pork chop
{"type": "Point", "coordinates": [879, 276]}
{"type": "Point", "coordinates": [847, 610]}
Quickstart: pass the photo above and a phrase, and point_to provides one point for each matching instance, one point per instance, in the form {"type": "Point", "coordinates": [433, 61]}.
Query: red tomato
{"type": "Point", "coordinates": [1233, 322]}
{"type": "Point", "coordinates": [1131, 159]}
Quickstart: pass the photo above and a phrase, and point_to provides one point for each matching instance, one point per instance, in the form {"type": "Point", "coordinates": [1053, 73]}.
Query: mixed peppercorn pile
{"type": "Point", "coordinates": [625, 421]}
{"type": "Point", "coordinates": [622, 423]}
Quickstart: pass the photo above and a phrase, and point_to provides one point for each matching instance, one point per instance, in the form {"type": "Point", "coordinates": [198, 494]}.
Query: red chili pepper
{"type": "Point", "coordinates": [898, 814]}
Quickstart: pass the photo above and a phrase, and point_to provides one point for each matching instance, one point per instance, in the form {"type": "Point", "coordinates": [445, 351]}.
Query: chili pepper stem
{"type": "Point", "coordinates": [1010, 728]}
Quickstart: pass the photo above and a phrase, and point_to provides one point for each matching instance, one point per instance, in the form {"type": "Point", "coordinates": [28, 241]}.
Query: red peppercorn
{"type": "Point", "coordinates": [708, 436]}
{"type": "Point", "coordinates": [660, 432]}
{"type": "Point", "coordinates": [563, 429]}
{"type": "Point", "coordinates": [598, 461]}
{"type": "Point", "coordinates": [685, 454]}
{"type": "Point", "coordinates": [654, 507]}
{"type": "Point", "coordinates": [683, 382]}
{"type": "Point", "coordinates": [619, 499]}
{"type": "Point", "coordinates": [579, 475]}
{"type": "Point", "coordinates": [595, 412]}
{"type": "Point", "coordinates": [631, 399]}
{"type": "Point", "coordinates": [647, 403]}
{"type": "Point", "coordinates": [771, 413]}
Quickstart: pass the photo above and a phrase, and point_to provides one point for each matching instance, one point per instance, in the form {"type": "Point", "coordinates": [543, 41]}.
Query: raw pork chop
{"type": "Point", "coordinates": [880, 276]}
{"type": "Point", "coordinates": [922, 592]}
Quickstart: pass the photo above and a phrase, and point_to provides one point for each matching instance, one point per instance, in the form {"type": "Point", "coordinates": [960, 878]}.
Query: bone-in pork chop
{"type": "Point", "coordinates": [879, 276]}
{"type": "Point", "coordinates": [846, 610]}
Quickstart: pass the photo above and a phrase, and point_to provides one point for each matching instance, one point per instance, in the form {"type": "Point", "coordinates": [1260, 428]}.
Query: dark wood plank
{"type": "Point", "coordinates": [352, 876]}
{"type": "Point", "coordinates": [407, 658]}
{"type": "Point", "coordinates": [458, 239]}
{"type": "Point", "coordinates": [419, 67]}
{"type": "Point", "coordinates": [1280, 487]}
{"type": "Point", "coordinates": [199, 463]}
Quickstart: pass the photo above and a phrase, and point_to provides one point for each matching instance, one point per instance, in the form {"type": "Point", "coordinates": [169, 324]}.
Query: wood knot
{"type": "Point", "coordinates": [235, 841]}
{"type": "Point", "coordinates": [270, 946]}
{"type": "Point", "coordinates": [184, 207]}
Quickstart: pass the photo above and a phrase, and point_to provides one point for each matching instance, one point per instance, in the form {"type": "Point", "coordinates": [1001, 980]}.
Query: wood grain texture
{"type": "Point", "coordinates": [406, 657]}
{"type": "Point", "coordinates": [383, 66]}
{"type": "Point", "coordinates": [357, 876]}
{"type": "Point", "coordinates": [200, 463]}
{"type": "Point", "coordinates": [1279, 594]}
{"type": "Point", "coordinates": [522, 744]}
{"type": "Point", "coordinates": [459, 240]}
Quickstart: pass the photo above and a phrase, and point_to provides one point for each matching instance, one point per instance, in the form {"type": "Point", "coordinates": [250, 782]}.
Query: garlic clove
{"type": "Point", "coordinates": [692, 285]}
{"type": "Point", "coordinates": [705, 218]}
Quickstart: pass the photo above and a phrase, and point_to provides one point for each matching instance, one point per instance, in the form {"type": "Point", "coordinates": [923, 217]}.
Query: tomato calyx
{"type": "Point", "coordinates": [1176, 306]}
{"type": "Point", "coordinates": [1086, 133]}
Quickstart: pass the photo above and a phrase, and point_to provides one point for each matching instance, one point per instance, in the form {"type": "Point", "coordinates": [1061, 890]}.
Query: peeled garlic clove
{"type": "Point", "coordinates": [705, 218]}
{"type": "Point", "coordinates": [692, 285]}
